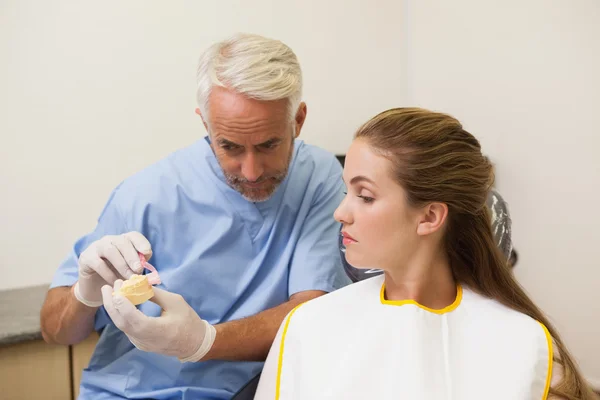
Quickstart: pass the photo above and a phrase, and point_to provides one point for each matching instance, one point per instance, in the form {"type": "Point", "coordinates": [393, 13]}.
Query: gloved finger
{"type": "Point", "coordinates": [129, 253]}
{"type": "Point", "coordinates": [167, 300]}
{"type": "Point", "coordinates": [114, 314]}
{"type": "Point", "coordinates": [94, 263]}
{"type": "Point", "coordinates": [136, 322]}
{"type": "Point", "coordinates": [117, 285]}
{"type": "Point", "coordinates": [140, 243]}
{"type": "Point", "coordinates": [108, 250]}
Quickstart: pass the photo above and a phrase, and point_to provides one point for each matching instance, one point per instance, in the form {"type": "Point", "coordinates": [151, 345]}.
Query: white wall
{"type": "Point", "coordinates": [91, 92]}
{"type": "Point", "coordinates": [524, 77]}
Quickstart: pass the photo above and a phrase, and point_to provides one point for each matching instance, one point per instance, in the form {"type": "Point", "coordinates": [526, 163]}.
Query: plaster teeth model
{"type": "Point", "coordinates": [136, 289]}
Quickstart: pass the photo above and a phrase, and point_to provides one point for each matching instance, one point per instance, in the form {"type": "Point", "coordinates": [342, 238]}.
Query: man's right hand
{"type": "Point", "coordinates": [106, 260]}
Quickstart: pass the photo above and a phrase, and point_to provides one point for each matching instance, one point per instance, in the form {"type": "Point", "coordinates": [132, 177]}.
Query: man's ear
{"type": "Point", "coordinates": [432, 218]}
{"type": "Point", "coordinates": [197, 111]}
{"type": "Point", "coordinates": [300, 118]}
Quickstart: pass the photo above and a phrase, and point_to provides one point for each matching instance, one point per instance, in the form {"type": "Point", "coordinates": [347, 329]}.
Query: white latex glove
{"type": "Point", "coordinates": [178, 332]}
{"type": "Point", "coordinates": [105, 261]}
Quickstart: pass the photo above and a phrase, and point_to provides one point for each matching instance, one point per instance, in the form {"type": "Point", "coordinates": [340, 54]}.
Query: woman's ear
{"type": "Point", "coordinates": [432, 218]}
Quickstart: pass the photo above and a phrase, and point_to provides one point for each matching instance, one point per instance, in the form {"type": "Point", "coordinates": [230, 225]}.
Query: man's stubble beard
{"type": "Point", "coordinates": [262, 194]}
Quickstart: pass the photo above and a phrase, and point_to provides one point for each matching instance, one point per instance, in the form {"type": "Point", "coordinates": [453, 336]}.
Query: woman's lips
{"type": "Point", "coordinates": [347, 239]}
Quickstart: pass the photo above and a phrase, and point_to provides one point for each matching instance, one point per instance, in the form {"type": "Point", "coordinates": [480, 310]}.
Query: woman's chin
{"type": "Point", "coordinates": [358, 262]}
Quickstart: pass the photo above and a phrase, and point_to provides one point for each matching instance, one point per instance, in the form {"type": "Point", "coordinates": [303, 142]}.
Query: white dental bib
{"type": "Point", "coordinates": [354, 344]}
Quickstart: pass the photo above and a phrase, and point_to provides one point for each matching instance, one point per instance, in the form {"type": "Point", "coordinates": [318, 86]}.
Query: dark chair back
{"type": "Point", "coordinates": [248, 391]}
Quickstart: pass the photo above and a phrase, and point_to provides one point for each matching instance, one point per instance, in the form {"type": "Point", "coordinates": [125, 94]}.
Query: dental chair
{"type": "Point", "coordinates": [501, 228]}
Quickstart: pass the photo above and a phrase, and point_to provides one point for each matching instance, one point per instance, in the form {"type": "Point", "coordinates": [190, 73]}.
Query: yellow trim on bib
{"type": "Point", "coordinates": [281, 346]}
{"type": "Point", "coordinates": [550, 359]}
{"type": "Point", "coordinates": [444, 310]}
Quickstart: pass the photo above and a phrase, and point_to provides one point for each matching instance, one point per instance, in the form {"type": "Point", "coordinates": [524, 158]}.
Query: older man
{"type": "Point", "coordinates": [239, 226]}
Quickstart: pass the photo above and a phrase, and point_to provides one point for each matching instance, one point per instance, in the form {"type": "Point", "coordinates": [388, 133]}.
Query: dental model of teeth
{"type": "Point", "coordinates": [138, 288]}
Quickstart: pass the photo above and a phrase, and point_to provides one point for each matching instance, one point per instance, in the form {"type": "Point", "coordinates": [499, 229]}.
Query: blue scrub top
{"type": "Point", "coordinates": [228, 257]}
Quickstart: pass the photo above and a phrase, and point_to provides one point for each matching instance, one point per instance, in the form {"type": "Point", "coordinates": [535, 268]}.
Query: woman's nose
{"type": "Point", "coordinates": [342, 214]}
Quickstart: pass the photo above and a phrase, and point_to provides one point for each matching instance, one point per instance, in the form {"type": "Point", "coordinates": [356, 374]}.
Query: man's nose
{"type": "Point", "coordinates": [252, 168]}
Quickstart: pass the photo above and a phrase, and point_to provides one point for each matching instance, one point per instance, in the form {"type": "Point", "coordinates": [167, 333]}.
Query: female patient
{"type": "Point", "coordinates": [446, 320]}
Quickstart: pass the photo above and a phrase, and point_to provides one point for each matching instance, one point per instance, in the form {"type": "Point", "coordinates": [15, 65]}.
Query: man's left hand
{"type": "Point", "coordinates": [178, 332]}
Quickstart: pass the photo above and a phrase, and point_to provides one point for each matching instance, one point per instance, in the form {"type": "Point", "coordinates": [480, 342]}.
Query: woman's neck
{"type": "Point", "coordinates": [427, 280]}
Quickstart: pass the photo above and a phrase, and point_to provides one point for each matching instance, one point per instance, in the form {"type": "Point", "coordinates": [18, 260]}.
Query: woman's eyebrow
{"type": "Point", "coordinates": [360, 178]}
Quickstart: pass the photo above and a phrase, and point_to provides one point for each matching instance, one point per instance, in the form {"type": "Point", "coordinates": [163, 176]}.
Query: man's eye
{"type": "Point", "coordinates": [269, 146]}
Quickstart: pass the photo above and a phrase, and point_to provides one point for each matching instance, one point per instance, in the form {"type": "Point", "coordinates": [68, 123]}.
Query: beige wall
{"type": "Point", "coordinates": [524, 77]}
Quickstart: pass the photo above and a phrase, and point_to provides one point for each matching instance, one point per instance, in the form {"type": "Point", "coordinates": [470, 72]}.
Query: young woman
{"type": "Point", "coordinates": [447, 319]}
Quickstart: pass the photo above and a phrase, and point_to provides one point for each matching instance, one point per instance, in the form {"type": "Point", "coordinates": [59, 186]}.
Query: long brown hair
{"type": "Point", "coordinates": [436, 160]}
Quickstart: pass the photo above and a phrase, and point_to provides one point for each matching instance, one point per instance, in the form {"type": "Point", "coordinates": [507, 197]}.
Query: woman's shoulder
{"type": "Point", "coordinates": [493, 308]}
{"type": "Point", "coordinates": [355, 296]}
{"type": "Point", "coordinates": [493, 314]}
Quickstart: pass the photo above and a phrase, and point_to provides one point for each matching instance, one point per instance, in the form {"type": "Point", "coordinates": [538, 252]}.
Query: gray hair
{"type": "Point", "coordinates": [255, 66]}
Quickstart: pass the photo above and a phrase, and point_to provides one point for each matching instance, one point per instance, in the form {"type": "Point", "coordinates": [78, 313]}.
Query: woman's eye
{"type": "Point", "coordinates": [366, 199]}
